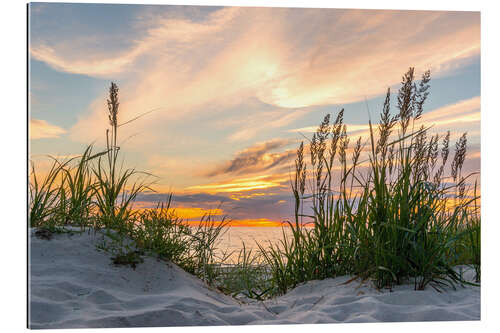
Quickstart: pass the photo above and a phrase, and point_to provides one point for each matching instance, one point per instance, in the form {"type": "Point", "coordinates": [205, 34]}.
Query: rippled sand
{"type": "Point", "coordinates": [72, 285]}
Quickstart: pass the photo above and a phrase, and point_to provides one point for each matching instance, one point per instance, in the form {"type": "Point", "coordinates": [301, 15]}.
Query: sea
{"type": "Point", "coordinates": [231, 242]}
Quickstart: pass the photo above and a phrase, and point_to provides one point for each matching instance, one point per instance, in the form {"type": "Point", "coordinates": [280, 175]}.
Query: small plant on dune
{"type": "Point", "coordinates": [161, 232]}
{"type": "Point", "coordinates": [204, 261]}
{"type": "Point", "coordinates": [390, 218]}
{"type": "Point", "coordinates": [248, 277]}
{"type": "Point", "coordinates": [131, 258]}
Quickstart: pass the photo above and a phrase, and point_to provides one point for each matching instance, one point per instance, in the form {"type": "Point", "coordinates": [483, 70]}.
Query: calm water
{"type": "Point", "coordinates": [233, 239]}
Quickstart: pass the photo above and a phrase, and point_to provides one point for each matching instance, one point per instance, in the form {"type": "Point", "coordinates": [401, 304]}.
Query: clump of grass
{"type": "Point", "coordinates": [391, 217]}
{"type": "Point", "coordinates": [44, 194]}
{"type": "Point", "coordinates": [205, 262]}
{"type": "Point", "coordinates": [470, 250]}
{"type": "Point", "coordinates": [77, 191]}
{"type": "Point", "coordinates": [160, 232]}
{"type": "Point", "coordinates": [65, 195]}
{"type": "Point", "coordinates": [473, 243]}
{"type": "Point", "coordinates": [249, 276]}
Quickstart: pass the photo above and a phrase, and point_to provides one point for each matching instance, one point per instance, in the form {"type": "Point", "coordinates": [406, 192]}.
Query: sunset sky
{"type": "Point", "coordinates": [233, 89]}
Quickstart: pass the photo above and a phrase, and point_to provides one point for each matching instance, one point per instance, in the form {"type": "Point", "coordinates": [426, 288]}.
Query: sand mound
{"type": "Point", "coordinates": [72, 285]}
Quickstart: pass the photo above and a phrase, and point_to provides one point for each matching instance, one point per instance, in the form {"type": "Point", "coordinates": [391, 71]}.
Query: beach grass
{"type": "Point", "coordinates": [393, 216]}
{"type": "Point", "coordinates": [248, 276]}
{"type": "Point", "coordinates": [380, 209]}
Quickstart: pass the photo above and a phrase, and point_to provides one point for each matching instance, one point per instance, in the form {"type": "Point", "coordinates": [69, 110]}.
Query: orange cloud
{"type": "Point", "coordinates": [257, 158]}
{"type": "Point", "coordinates": [243, 184]}
{"type": "Point", "coordinates": [41, 129]}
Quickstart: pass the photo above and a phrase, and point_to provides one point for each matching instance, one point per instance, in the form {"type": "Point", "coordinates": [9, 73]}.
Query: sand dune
{"type": "Point", "coordinates": [72, 285]}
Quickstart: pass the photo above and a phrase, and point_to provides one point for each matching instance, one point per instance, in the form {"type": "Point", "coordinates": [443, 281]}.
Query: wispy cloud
{"type": "Point", "coordinates": [465, 113]}
{"type": "Point", "coordinates": [41, 129]}
{"type": "Point", "coordinates": [257, 158]}
{"type": "Point", "coordinates": [258, 122]}
{"type": "Point", "coordinates": [104, 62]}
{"type": "Point", "coordinates": [94, 67]}
{"type": "Point", "coordinates": [288, 58]}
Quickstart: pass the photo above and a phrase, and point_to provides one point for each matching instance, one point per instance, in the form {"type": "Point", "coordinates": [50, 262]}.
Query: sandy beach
{"type": "Point", "coordinates": [73, 285]}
